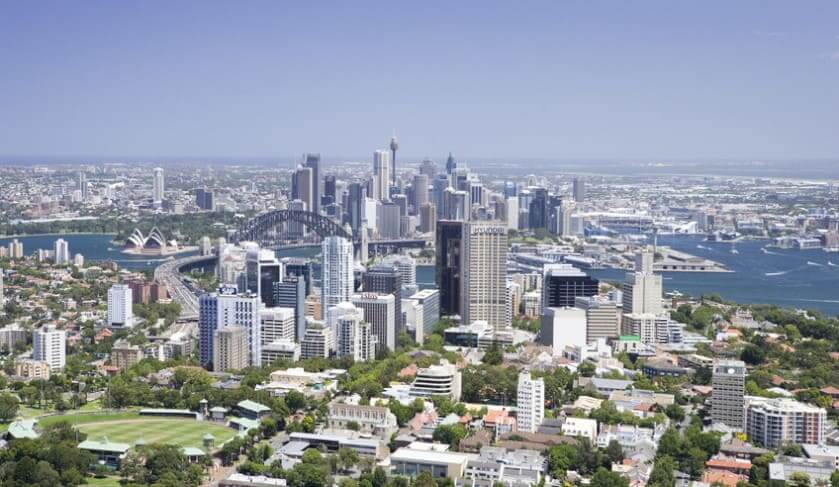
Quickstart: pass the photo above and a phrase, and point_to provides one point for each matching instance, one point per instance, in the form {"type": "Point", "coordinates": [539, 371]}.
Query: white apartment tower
{"type": "Point", "coordinates": [158, 185]}
{"type": "Point", "coordinates": [49, 345]}
{"type": "Point", "coordinates": [642, 289]}
{"type": "Point", "coordinates": [354, 336]}
{"type": "Point", "coordinates": [277, 324]}
{"type": "Point", "coordinates": [337, 274]}
{"type": "Point", "coordinates": [62, 252]}
{"type": "Point", "coordinates": [531, 403]}
{"type": "Point", "coordinates": [120, 312]}
{"type": "Point", "coordinates": [483, 285]}
{"type": "Point", "coordinates": [229, 308]}
{"type": "Point", "coordinates": [380, 311]}
{"type": "Point", "coordinates": [381, 175]}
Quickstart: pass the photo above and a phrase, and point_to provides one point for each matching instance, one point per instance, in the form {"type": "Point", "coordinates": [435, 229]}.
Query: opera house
{"type": "Point", "coordinates": [152, 244]}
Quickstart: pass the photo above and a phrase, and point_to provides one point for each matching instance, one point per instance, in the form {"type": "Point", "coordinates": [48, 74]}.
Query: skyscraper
{"type": "Point", "coordinates": [420, 186]}
{"type": "Point", "coordinates": [579, 190]}
{"type": "Point", "coordinates": [530, 404]}
{"type": "Point", "coordinates": [337, 271]}
{"type": "Point", "coordinates": [353, 335]}
{"type": "Point", "coordinates": [2, 291]}
{"type": "Point", "coordinates": [483, 285]}
{"type": "Point", "coordinates": [380, 312]}
{"type": "Point", "coordinates": [386, 279]}
{"type": "Point", "coordinates": [228, 308]}
{"type": "Point", "coordinates": [381, 175]}
{"type": "Point", "coordinates": [230, 349]}
{"type": "Point", "coordinates": [356, 195]}
{"type": "Point", "coordinates": [313, 162]}
{"type": "Point", "coordinates": [277, 324]}
{"type": "Point", "coordinates": [389, 221]}
{"type": "Point", "coordinates": [83, 188]}
{"type": "Point", "coordinates": [642, 289]}
{"type": "Point", "coordinates": [158, 187]}
{"type": "Point", "coordinates": [428, 168]}
{"type": "Point", "coordinates": [291, 293]}
{"type": "Point", "coordinates": [49, 344]}
{"type": "Point", "coordinates": [448, 265]}
{"type": "Point", "coordinates": [394, 146]}
{"type": "Point", "coordinates": [329, 190]}
{"type": "Point", "coordinates": [451, 165]}
{"type": "Point", "coordinates": [563, 283]}
{"type": "Point", "coordinates": [407, 268]}
{"type": "Point", "coordinates": [62, 252]}
{"type": "Point", "coordinates": [428, 218]}
{"type": "Point", "coordinates": [438, 190]}
{"type": "Point", "coordinates": [728, 394]}
{"type": "Point", "coordinates": [120, 310]}
{"type": "Point", "coordinates": [302, 186]}
{"type": "Point", "coordinates": [601, 317]}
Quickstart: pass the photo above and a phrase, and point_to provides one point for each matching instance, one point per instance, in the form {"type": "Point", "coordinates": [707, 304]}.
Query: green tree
{"type": "Point", "coordinates": [606, 478]}
{"type": "Point", "coordinates": [799, 479]}
{"type": "Point", "coordinates": [450, 434]}
{"type": "Point", "coordinates": [675, 412]}
{"type": "Point", "coordinates": [494, 355]}
{"type": "Point", "coordinates": [614, 452]}
{"type": "Point", "coordinates": [662, 474]}
{"type": "Point", "coordinates": [9, 407]}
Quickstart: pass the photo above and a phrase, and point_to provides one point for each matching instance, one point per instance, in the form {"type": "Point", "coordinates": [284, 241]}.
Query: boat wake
{"type": "Point", "coordinates": [769, 252]}
{"type": "Point", "coordinates": [810, 262]}
{"type": "Point", "coordinates": [775, 273]}
{"type": "Point", "coordinates": [831, 264]}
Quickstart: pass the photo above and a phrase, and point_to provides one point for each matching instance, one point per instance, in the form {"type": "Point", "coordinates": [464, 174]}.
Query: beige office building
{"type": "Point", "coordinates": [484, 283]}
{"type": "Point", "coordinates": [230, 349]}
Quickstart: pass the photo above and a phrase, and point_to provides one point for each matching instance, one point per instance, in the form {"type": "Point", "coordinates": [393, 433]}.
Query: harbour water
{"type": "Point", "coordinates": [807, 279]}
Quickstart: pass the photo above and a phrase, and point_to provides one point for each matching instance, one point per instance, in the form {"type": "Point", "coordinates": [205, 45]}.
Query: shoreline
{"type": "Point", "coordinates": [24, 235]}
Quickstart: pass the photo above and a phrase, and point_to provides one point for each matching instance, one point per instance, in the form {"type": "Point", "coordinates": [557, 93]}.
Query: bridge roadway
{"type": "Point", "coordinates": [185, 294]}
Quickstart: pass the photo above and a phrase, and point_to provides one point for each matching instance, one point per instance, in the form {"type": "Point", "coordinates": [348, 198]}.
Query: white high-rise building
{"type": "Point", "coordinates": [728, 393]}
{"type": "Point", "coordinates": [49, 345]}
{"type": "Point", "coordinates": [407, 269]}
{"type": "Point", "coordinates": [651, 328]}
{"type": "Point", "coordinates": [120, 311]}
{"type": "Point", "coordinates": [531, 403]}
{"type": "Point", "coordinates": [380, 312]}
{"type": "Point", "coordinates": [15, 249]}
{"type": "Point", "coordinates": [483, 284]}
{"type": "Point", "coordinates": [228, 307]}
{"type": "Point", "coordinates": [563, 327]}
{"type": "Point", "coordinates": [381, 175]}
{"type": "Point", "coordinates": [354, 337]}
{"type": "Point", "coordinates": [2, 291]}
{"type": "Point", "coordinates": [512, 204]}
{"type": "Point", "coordinates": [337, 274]}
{"type": "Point", "coordinates": [277, 324]}
{"type": "Point", "coordinates": [642, 289]}
{"type": "Point", "coordinates": [158, 185]}
{"type": "Point", "coordinates": [61, 252]}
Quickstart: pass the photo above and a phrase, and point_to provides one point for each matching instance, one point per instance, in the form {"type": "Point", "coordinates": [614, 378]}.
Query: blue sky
{"type": "Point", "coordinates": [588, 79]}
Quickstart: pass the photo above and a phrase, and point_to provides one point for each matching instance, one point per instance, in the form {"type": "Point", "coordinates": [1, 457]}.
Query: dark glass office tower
{"type": "Point", "coordinates": [298, 266]}
{"type": "Point", "coordinates": [313, 162]}
{"type": "Point", "coordinates": [563, 283]}
{"type": "Point", "coordinates": [291, 293]}
{"type": "Point", "coordinates": [538, 209]}
{"type": "Point", "coordinates": [448, 265]}
{"type": "Point", "coordinates": [355, 205]}
{"type": "Point", "coordinates": [386, 279]}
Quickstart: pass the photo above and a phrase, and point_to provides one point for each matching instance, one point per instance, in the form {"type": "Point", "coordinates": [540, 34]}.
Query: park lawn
{"type": "Point", "coordinates": [103, 482]}
{"type": "Point", "coordinates": [182, 432]}
{"type": "Point", "coordinates": [83, 418]}
{"type": "Point", "coordinates": [91, 406]}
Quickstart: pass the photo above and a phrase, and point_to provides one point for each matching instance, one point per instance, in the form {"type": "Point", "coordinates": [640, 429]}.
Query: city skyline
{"type": "Point", "coordinates": [557, 80]}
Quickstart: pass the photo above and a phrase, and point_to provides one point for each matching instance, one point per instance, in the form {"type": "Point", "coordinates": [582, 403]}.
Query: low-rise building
{"type": "Point", "coordinates": [440, 464]}
{"type": "Point", "coordinates": [32, 369]}
{"type": "Point", "coordinates": [580, 427]}
{"type": "Point", "coordinates": [438, 380]}
{"type": "Point", "coordinates": [376, 420]}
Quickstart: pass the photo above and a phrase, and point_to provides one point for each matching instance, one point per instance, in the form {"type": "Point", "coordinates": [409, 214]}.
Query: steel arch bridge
{"type": "Point", "coordinates": [258, 227]}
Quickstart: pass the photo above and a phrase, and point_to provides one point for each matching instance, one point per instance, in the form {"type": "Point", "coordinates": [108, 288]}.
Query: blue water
{"type": "Point", "coordinates": [94, 247]}
{"type": "Point", "coordinates": [791, 280]}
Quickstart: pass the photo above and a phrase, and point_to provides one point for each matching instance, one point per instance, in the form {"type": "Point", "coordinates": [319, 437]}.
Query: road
{"type": "Point", "coordinates": [181, 292]}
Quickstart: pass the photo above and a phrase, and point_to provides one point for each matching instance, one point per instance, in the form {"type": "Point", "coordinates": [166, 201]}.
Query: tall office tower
{"type": "Point", "coordinates": [775, 422]}
{"type": "Point", "coordinates": [394, 146]}
{"type": "Point", "coordinates": [230, 349]}
{"type": "Point", "coordinates": [389, 221]}
{"type": "Point", "coordinates": [299, 267]}
{"type": "Point", "coordinates": [642, 289]}
{"type": "Point", "coordinates": [510, 189]}
{"type": "Point", "coordinates": [428, 302]}
{"type": "Point", "coordinates": [456, 205]}
{"type": "Point", "coordinates": [386, 279]}
{"type": "Point", "coordinates": [451, 165]}
{"type": "Point", "coordinates": [563, 327]}
{"type": "Point", "coordinates": [601, 317]}
{"type": "Point", "coordinates": [302, 186]}
{"type": "Point", "coordinates": [428, 218]}
{"type": "Point", "coordinates": [448, 265]}
{"type": "Point", "coordinates": [49, 344]}
{"type": "Point", "coordinates": [83, 188]}
{"type": "Point", "coordinates": [380, 312]}
{"type": "Point", "coordinates": [15, 249]}
{"type": "Point", "coordinates": [291, 293]}
{"type": "Point", "coordinates": [483, 292]}
{"type": "Point", "coordinates": [337, 271]}
{"type": "Point", "coordinates": [228, 308]}
{"type": "Point", "coordinates": [62, 252]}
{"type": "Point", "coordinates": [429, 168]}
{"type": "Point", "coordinates": [407, 268]}
{"type": "Point", "coordinates": [563, 220]}
{"type": "Point", "coordinates": [330, 193]}
{"type": "Point", "coordinates": [158, 185]}
{"type": "Point", "coordinates": [438, 193]}
{"type": "Point", "coordinates": [277, 324]}
{"type": "Point", "coordinates": [204, 199]}
{"type": "Point", "coordinates": [356, 194]}
{"type": "Point", "coordinates": [295, 229]}
{"type": "Point", "coordinates": [579, 190]}
{"type": "Point", "coordinates": [538, 209]}
{"type": "Point", "coordinates": [728, 394]}
{"type": "Point", "coordinates": [313, 163]}
{"type": "Point", "coordinates": [512, 203]}
{"type": "Point", "coordinates": [563, 283]}
{"type": "Point", "coordinates": [420, 191]}
{"type": "Point", "coordinates": [2, 291]}
{"type": "Point", "coordinates": [531, 403]}
{"type": "Point", "coordinates": [318, 341]}
{"type": "Point", "coordinates": [270, 271]}
{"type": "Point", "coordinates": [381, 175]}
{"type": "Point", "coordinates": [401, 201]}
{"type": "Point", "coordinates": [120, 311]}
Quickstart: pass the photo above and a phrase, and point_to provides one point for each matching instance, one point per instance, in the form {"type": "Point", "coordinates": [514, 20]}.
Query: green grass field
{"type": "Point", "coordinates": [183, 432]}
